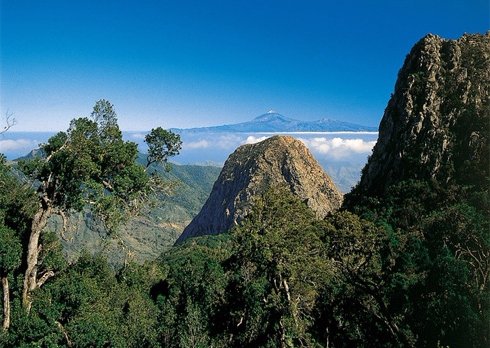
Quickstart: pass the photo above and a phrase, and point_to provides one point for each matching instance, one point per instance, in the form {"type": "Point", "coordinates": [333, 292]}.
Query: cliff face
{"type": "Point", "coordinates": [250, 171]}
{"type": "Point", "coordinates": [436, 124]}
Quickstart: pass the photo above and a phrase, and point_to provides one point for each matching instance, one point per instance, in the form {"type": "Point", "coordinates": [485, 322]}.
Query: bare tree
{"type": "Point", "coordinates": [9, 121]}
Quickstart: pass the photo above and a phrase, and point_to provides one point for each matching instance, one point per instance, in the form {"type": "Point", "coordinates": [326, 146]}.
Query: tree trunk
{"type": "Point", "coordinates": [282, 334]}
{"type": "Point", "coordinates": [30, 278]}
{"type": "Point", "coordinates": [6, 303]}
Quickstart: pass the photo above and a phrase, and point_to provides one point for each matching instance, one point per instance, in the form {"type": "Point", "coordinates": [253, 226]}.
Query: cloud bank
{"type": "Point", "coordinates": [137, 136]}
{"type": "Point", "coordinates": [336, 148]}
{"type": "Point", "coordinates": [339, 147]}
{"type": "Point", "coordinates": [252, 139]}
{"type": "Point", "coordinates": [200, 144]}
{"type": "Point", "coordinates": [16, 145]}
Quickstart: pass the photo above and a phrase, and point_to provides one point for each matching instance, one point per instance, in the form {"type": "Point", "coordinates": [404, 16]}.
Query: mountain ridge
{"type": "Point", "coordinates": [273, 121]}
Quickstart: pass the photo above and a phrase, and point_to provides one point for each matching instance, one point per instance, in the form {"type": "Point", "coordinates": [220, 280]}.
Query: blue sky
{"type": "Point", "coordinates": [196, 63]}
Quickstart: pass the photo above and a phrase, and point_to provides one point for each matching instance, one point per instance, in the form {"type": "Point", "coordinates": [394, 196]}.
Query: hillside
{"type": "Point", "coordinates": [146, 236]}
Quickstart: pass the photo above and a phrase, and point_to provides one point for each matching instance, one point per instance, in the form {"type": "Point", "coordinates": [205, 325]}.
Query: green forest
{"type": "Point", "coordinates": [406, 267]}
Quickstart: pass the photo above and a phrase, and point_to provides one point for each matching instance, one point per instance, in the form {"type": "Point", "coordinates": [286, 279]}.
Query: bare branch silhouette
{"type": "Point", "coordinates": [9, 122]}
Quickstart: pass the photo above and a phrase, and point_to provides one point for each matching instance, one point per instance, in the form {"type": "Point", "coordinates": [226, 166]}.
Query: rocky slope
{"type": "Point", "coordinates": [254, 168]}
{"type": "Point", "coordinates": [436, 124]}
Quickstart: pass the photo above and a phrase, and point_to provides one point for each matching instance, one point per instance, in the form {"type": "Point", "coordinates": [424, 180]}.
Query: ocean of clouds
{"type": "Point", "coordinates": [16, 145]}
{"type": "Point", "coordinates": [217, 147]}
{"type": "Point", "coordinates": [339, 147]}
{"type": "Point", "coordinates": [335, 147]}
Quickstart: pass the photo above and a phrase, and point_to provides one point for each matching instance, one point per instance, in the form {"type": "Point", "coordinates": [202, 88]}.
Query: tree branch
{"type": "Point", "coordinates": [44, 278]}
{"type": "Point", "coordinates": [10, 121]}
{"type": "Point", "coordinates": [62, 147]}
{"type": "Point", "coordinates": [69, 343]}
{"type": "Point", "coordinates": [65, 224]}
{"type": "Point", "coordinates": [108, 186]}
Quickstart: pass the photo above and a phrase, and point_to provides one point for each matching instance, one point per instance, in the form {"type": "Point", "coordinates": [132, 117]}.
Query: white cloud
{"type": "Point", "coordinates": [338, 147]}
{"type": "Point", "coordinates": [324, 147]}
{"type": "Point", "coordinates": [321, 145]}
{"type": "Point", "coordinates": [228, 142]}
{"type": "Point", "coordinates": [138, 136]}
{"type": "Point", "coordinates": [201, 144]}
{"type": "Point", "coordinates": [252, 139]}
{"type": "Point", "coordinates": [355, 145]}
{"type": "Point", "coordinates": [10, 145]}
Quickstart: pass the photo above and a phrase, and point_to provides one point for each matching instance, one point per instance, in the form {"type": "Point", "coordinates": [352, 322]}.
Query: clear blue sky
{"type": "Point", "coordinates": [195, 63]}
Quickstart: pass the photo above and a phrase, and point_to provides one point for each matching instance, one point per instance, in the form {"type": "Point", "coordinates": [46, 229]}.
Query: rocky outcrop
{"type": "Point", "coordinates": [254, 168]}
{"type": "Point", "coordinates": [436, 124]}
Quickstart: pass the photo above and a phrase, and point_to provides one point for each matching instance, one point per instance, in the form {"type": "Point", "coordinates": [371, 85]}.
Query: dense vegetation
{"type": "Point", "coordinates": [281, 279]}
{"type": "Point", "coordinates": [408, 268]}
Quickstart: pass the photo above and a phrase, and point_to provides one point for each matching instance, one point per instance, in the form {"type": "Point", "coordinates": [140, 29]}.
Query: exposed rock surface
{"type": "Point", "coordinates": [253, 169]}
{"type": "Point", "coordinates": [436, 124]}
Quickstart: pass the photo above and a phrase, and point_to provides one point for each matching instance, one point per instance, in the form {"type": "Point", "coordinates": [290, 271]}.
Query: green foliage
{"type": "Point", "coordinates": [10, 250]}
{"type": "Point", "coordinates": [92, 164]}
{"type": "Point", "coordinates": [355, 305]}
{"type": "Point", "coordinates": [161, 145]}
{"type": "Point", "coordinates": [51, 256]}
{"type": "Point", "coordinates": [437, 250]}
{"type": "Point", "coordinates": [192, 297]}
{"type": "Point", "coordinates": [408, 277]}
{"type": "Point", "coordinates": [278, 264]}
{"type": "Point", "coordinates": [17, 202]}
{"type": "Point", "coordinates": [105, 115]}
{"type": "Point", "coordinates": [90, 305]}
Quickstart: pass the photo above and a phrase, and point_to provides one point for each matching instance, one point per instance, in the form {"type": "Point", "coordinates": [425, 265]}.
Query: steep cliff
{"type": "Point", "coordinates": [427, 186]}
{"type": "Point", "coordinates": [250, 171]}
{"type": "Point", "coordinates": [436, 124]}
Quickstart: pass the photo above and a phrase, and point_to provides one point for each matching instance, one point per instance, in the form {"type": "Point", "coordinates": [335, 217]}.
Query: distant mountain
{"type": "Point", "coordinates": [275, 122]}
